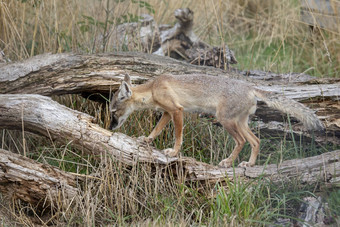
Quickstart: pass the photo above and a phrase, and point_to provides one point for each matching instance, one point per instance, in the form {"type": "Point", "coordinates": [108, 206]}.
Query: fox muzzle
{"type": "Point", "coordinates": [114, 122]}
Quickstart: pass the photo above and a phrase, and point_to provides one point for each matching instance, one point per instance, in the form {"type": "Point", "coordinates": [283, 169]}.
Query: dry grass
{"type": "Point", "coordinates": [264, 35]}
{"type": "Point", "coordinates": [267, 36]}
{"type": "Point", "coordinates": [143, 195]}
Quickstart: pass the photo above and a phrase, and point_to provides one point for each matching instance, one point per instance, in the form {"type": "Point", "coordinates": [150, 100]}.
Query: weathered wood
{"type": "Point", "coordinates": [314, 212]}
{"type": "Point", "coordinates": [321, 13]}
{"type": "Point", "coordinates": [178, 41]}
{"type": "Point", "coordinates": [142, 35]}
{"type": "Point", "coordinates": [89, 74]}
{"type": "Point", "coordinates": [43, 116]}
{"type": "Point", "coordinates": [36, 183]}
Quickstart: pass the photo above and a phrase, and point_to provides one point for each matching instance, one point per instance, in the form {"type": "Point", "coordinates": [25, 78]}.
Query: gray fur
{"type": "Point", "coordinates": [295, 109]}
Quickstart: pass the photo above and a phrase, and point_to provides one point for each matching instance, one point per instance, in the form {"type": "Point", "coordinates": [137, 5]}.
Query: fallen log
{"type": "Point", "coordinates": [35, 183]}
{"type": "Point", "coordinates": [43, 116]}
{"type": "Point", "coordinates": [91, 74]}
{"type": "Point", "coordinates": [55, 74]}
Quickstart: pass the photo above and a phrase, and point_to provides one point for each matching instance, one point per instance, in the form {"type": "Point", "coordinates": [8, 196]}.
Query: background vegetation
{"type": "Point", "coordinates": [264, 35]}
{"type": "Point", "coordinates": [267, 35]}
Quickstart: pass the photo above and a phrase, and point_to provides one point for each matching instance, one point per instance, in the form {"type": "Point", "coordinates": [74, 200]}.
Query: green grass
{"type": "Point", "coordinates": [292, 54]}
{"type": "Point", "coordinates": [333, 200]}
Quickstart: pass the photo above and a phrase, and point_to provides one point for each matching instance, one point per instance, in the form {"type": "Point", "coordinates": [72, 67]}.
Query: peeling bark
{"type": "Point", "coordinates": [33, 182]}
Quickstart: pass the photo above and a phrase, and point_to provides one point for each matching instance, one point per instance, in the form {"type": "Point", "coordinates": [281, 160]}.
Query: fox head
{"type": "Point", "coordinates": [121, 105]}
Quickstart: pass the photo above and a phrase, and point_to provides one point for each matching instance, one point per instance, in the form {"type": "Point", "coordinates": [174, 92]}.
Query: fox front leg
{"type": "Point", "coordinates": [157, 130]}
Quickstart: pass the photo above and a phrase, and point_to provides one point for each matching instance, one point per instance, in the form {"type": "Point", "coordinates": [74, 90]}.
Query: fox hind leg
{"type": "Point", "coordinates": [253, 141]}
{"type": "Point", "coordinates": [241, 133]}
{"type": "Point", "coordinates": [233, 129]}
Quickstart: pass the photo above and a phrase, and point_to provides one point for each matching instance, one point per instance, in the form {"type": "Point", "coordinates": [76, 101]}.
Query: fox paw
{"type": "Point", "coordinates": [145, 139]}
{"type": "Point", "coordinates": [245, 164]}
{"type": "Point", "coordinates": [226, 163]}
{"type": "Point", "coordinates": [170, 152]}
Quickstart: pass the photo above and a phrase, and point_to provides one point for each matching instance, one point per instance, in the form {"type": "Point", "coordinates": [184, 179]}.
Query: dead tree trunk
{"type": "Point", "coordinates": [33, 182]}
{"type": "Point", "coordinates": [90, 74]}
{"type": "Point", "coordinates": [43, 116]}
{"type": "Point", "coordinates": [178, 41]}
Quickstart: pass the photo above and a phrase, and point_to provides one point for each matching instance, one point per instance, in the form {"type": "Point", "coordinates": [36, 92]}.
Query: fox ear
{"type": "Point", "coordinates": [127, 79]}
{"type": "Point", "coordinates": [124, 91]}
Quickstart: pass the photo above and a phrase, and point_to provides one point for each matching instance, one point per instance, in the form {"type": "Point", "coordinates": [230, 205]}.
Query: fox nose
{"type": "Point", "coordinates": [114, 122]}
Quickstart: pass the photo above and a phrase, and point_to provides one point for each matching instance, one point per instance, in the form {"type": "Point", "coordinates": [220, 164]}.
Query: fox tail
{"type": "Point", "coordinates": [289, 106]}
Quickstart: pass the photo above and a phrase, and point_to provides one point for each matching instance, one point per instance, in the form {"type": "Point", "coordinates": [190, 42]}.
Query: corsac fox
{"type": "Point", "coordinates": [230, 100]}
